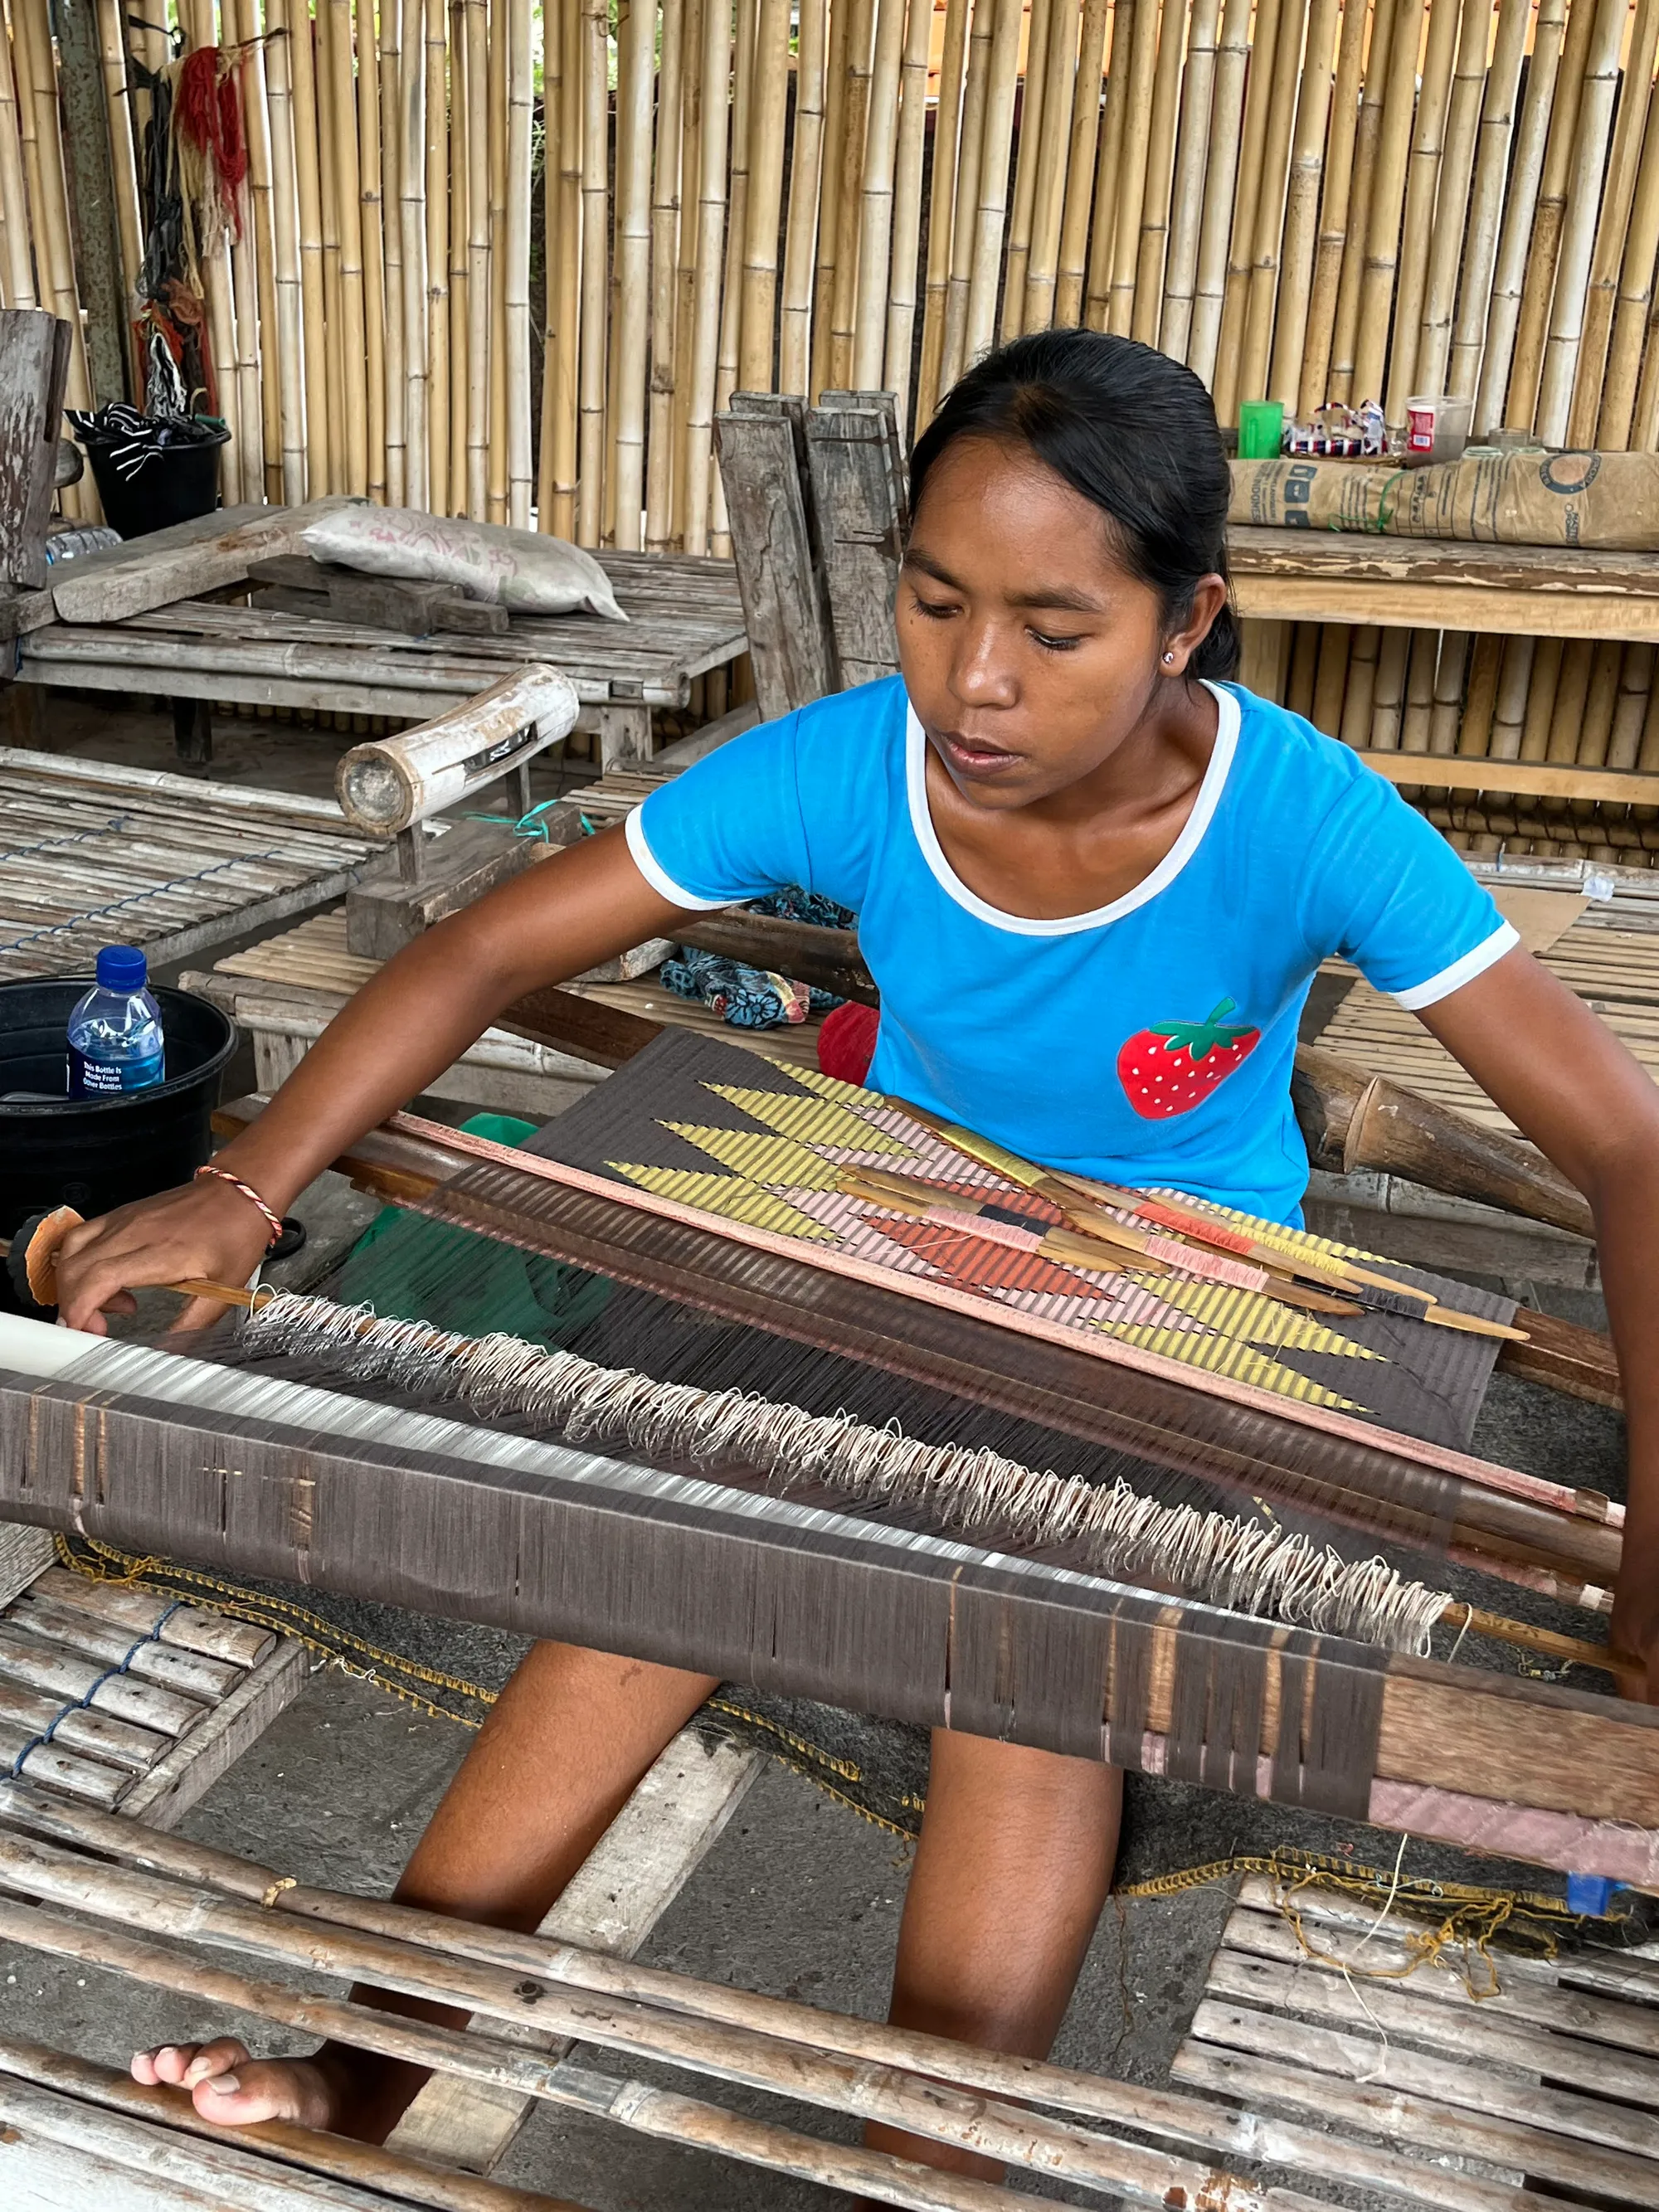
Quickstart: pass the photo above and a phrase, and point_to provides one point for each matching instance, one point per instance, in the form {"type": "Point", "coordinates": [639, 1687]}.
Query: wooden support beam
{"type": "Point", "coordinates": [34, 353]}
{"type": "Point", "coordinates": [858, 489]}
{"type": "Point", "coordinates": [761, 446]}
{"type": "Point", "coordinates": [88, 166]}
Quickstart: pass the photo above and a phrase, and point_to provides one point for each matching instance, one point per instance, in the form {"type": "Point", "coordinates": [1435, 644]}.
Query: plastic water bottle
{"type": "Point", "coordinates": [115, 1041]}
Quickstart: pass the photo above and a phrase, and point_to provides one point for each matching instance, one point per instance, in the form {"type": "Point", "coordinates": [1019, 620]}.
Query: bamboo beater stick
{"type": "Point", "coordinates": [1301, 223]}
{"type": "Point", "coordinates": [1158, 191]}
{"type": "Point", "coordinates": [410, 91]}
{"type": "Point", "coordinates": [1612, 232]}
{"type": "Point", "coordinates": [664, 248]}
{"type": "Point", "coordinates": [1382, 215]}
{"type": "Point", "coordinates": [1048, 187]}
{"type": "Point", "coordinates": [1220, 185]}
{"type": "Point", "coordinates": [1080, 163]}
{"type": "Point", "coordinates": [899, 340]}
{"type": "Point", "coordinates": [372, 219]}
{"type": "Point", "coordinates": [631, 294]}
{"type": "Point", "coordinates": [1332, 227]}
{"type": "Point", "coordinates": [964, 221]}
{"type": "Point", "coordinates": [1028, 143]}
{"type": "Point", "coordinates": [389, 72]}
{"type": "Point", "coordinates": [515, 276]}
{"type": "Point", "coordinates": [1452, 195]}
{"type": "Point", "coordinates": [1538, 284]}
{"type": "Point", "coordinates": [1586, 197]}
{"type": "Point", "coordinates": [875, 199]}
{"type": "Point", "coordinates": [805, 172]}
{"type": "Point", "coordinates": [1487, 209]}
{"type": "Point", "coordinates": [590, 465]}
{"type": "Point", "coordinates": [1422, 184]}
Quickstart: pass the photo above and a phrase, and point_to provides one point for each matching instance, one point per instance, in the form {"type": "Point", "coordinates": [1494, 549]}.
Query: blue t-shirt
{"type": "Point", "coordinates": [1149, 1043]}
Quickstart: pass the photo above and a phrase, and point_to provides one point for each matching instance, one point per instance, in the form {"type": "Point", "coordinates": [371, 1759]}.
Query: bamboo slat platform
{"type": "Point", "coordinates": [124, 1701]}
{"type": "Point", "coordinates": [92, 852]}
{"type": "Point", "coordinates": [1552, 2074]}
{"type": "Point", "coordinates": [684, 618]}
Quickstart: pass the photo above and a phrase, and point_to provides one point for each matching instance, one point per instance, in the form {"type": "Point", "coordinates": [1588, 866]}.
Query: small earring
{"type": "Point", "coordinates": [1169, 656]}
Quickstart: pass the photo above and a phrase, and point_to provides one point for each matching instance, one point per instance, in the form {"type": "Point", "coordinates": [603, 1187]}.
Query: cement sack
{"type": "Point", "coordinates": [518, 569]}
{"type": "Point", "coordinates": [1606, 501]}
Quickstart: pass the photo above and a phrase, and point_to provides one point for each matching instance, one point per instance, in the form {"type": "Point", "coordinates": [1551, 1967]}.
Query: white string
{"type": "Point", "coordinates": [1238, 1565]}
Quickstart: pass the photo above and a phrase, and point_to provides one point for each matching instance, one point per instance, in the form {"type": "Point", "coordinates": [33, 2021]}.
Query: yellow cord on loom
{"type": "Point", "coordinates": [1474, 1916]}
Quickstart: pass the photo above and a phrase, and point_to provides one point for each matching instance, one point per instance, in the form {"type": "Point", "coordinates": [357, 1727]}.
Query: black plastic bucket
{"type": "Point", "coordinates": [96, 1153]}
{"type": "Point", "coordinates": [176, 484]}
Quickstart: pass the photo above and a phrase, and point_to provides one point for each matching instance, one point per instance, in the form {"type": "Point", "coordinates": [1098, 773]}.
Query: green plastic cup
{"type": "Point", "coordinates": [1261, 429]}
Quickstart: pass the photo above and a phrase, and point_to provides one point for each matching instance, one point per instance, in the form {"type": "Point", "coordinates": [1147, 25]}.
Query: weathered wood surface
{"type": "Point", "coordinates": [385, 910]}
{"type": "Point", "coordinates": [34, 350]}
{"type": "Point", "coordinates": [202, 555]}
{"type": "Point", "coordinates": [638, 1868]}
{"type": "Point", "coordinates": [21, 610]}
{"type": "Point", "coordinates": [188, 1770]}
{"type": "Point", "coordinates": [1354, 557]}
{"type": "Point", "coordinates": [761, 446]}
{"type": "Point", "coordinates": [163, 861]}
{"type": "Point", "coordinates": [391, 782]}
{"type": "Point", "coordinates": [1523, 779]}
{"type": "Point", "coordinates": [859, 500]}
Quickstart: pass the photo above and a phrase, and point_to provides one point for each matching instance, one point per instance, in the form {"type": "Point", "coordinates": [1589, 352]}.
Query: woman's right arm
{"type": "Point", "coordinates": [403, 1028]}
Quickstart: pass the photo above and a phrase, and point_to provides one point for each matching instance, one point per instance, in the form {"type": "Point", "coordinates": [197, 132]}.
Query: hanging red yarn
{"type": "Point", "coordinates": [207, 115]}
{"type": "Point", "coordinates": [847, 1041]}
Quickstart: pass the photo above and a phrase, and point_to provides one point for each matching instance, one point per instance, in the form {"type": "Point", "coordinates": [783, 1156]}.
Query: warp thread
{"type": "Point", "coordinates": [1236, 1565]}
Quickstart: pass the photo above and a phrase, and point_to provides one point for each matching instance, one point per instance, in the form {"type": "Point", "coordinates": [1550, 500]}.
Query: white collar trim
{"type": "Point", "coordinates": [1020, 925]}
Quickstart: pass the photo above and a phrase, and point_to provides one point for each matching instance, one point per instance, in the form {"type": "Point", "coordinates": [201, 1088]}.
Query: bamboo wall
{"type": "Point", "coordinates": [1301, 198]}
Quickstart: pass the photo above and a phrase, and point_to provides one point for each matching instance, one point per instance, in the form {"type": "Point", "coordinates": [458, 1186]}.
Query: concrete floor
{"type": "Point", "coordinates": [801, 1896]}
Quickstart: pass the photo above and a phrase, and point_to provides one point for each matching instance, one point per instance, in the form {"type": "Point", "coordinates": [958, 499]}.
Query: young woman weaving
{"type": "Point", "coordinates": [1065, 836]}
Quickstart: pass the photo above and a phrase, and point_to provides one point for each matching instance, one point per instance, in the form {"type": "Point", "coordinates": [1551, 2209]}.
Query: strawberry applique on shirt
{"type": "Point", "coordinates": [1169, 1067]}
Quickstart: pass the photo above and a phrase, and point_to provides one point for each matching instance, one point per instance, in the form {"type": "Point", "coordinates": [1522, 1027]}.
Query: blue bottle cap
{"type": "Point", "coordinates": [122, 968]}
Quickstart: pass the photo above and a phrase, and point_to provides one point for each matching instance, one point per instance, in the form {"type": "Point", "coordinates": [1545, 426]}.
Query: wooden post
{"type": "Point", "coordinates": [34, 349]}
{"type": "Point", "coordinates": [851, 446]}
{"type": "Point", "coordinates": [89, 175]}
{"type": "Point", "coordinates": [786, 605]}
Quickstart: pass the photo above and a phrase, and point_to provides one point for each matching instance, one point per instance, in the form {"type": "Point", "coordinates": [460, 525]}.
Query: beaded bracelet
{"type": "Point", "coordinates": [274, 1220]}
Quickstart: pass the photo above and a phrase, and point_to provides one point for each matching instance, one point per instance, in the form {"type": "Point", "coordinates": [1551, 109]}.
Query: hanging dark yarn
{"type": "Point", "coordinates": [207, 127]}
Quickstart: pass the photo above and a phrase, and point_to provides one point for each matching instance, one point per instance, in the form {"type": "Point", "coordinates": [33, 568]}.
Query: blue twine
{"type": "Point", "coordinates": [81, 1705]}
{"type": "Point", "coordinates": [529, 825]}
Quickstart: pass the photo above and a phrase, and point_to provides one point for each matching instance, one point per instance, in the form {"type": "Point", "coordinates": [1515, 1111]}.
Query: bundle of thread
{"type": "Point", "coordinates": [755, 997]}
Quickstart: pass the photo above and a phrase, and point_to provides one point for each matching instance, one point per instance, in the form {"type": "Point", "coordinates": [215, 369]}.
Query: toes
{"type": "Point", "coordinates": [167, 2062]}
{"type": "Point", "coordinates": [219, 2058]}
{"type": "Point", "coordinates": [263, 2089]}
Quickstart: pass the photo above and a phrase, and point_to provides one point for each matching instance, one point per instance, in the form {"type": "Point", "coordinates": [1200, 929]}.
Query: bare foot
{"type": "Point", "coordinates": [233, 2090]}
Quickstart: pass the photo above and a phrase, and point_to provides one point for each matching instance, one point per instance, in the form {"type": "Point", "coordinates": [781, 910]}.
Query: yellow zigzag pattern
{"type": "Point", "coordinates": [1257, 1317]}
{"type": "Point", "coordinates": [1228, 1356]}
{"type": "Point", "coordinates": [813, 1120]}
{"type": "Point", "coordinates": [733, 1196]}
{"type": "Point", "coordinates": [762, 1158]}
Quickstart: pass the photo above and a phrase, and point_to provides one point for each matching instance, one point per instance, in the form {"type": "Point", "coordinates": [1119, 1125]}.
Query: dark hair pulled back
{"type": "Point", "coordinates": [1130, 429]}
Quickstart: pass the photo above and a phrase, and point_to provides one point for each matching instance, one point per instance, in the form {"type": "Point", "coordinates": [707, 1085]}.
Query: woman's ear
{"type": "Point", "coordinates": [1209, 597]}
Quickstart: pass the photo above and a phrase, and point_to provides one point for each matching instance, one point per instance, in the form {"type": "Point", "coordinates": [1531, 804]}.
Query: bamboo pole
{"type": "Point", "coordinates": [475, 30]}
{"type": "Point", "coordinates": [805, 173]}
{"type": "Point", "coordinates": [1037, 311]}
{"type": "Point", "coordinates": [692, 103]}
{"type": "Point", "coordinates": [665, 249]}
{"type": "Point", "coordinates": [726, 359]}
{"type": "Point", "coordinates": [1258, 109]}
{"type": "Point", "coordinates": [566, 307]}
{"type": "Point", "coordinates": [1262, 285]}
{"type": "Point", "coordinates": [435, 219]}
{"type": "Point", "coordinates": [855, 109]}
{"type": "Point", "coordinates": [1098, 282]}
{"type": "Point", "coordinates": [1612, 234]}
{"type": "Point", "coordinates": [37, 83]}
{"type": "Point", "coordinates": [459, 202]}
{"type": "Point", "coordinates": [590, 469]}
{"type": "Point", "coordinates": [993, 205]}
{"type": "Point", "coordinates": [372, 218]}
{"type": "Point", "coordinates": [1187, 198]}
{"type": "Point", "coordinates": [16, 263]}
{"type": "Point", "coordinates": [322, 430]}
{"type": "Point", "coordinates": [285, 242]}
{"type": "Point", "coordinates": [389, 214]}
{"type": "Point", "coordinates": [1510, 707]}
{"type": "Point", "coordinates": [1331, 679]}
{"type": "Point", "coordinates": [876, 200]}
{"type": "Point", "coordinates": [1448, 706]}
{"type": "Point", "coordinates": [235, 266]}
{"type": "Point", "coordinates": [1303, 670]}
{"type": "Point", "coordinates": [1382, 215]}
{"type": "Point", "coordinates": [265, 363]}
{"type": "Point", "coordinates": [352, 347]}
{"type": "Point", "coordinates": [1033, 93]}
{"type": "Point", "coordinates": [1220, 186]}
{"type": "Point", "coordinates": [1618, 418]}
{"type": "Point", "coordinates": [1586, 197]}
{"type": "Point", "coordinates": [1295, 258]}
{"type": "Point", "coordinates": [332, 307]}
{"type": "Point", "coordinates": [1080, 163]}
{"type": "Point", "coordinates": [1416, 718]}
{"type": "Point", "coordinates": [1360, 693]}
{"type": "Point", "coordinates": [1480, 696]}
{"type": "Point", "coordinates": [964, 223]}
{"type": "Point", "coordinates": [899, 345]}
{"type": "Point", "coordinates": [1132, 158]}
{"type": "Point", "coordinates": [1538, 280]}
{"type": "Point", "coordinates": [552, 246]}
{"type": "Point", "coordinates": [1545, 682]}
{"type": "Point", "coordinates": [716, 70]}
{"type": "Point", "coordinates": [1336, 202]}
{"type": "Point", "coordinates": [1428, 142]}
{"type": "Point", "coordinates": [1452, 197]}
{"type": "Point", "coordinates": [1147, 306]}
{"type": "Point", "coordinates": [1367, 138]}
{"type": "Point", "coordinates": [123, 169]}
{"type": "Point", "coordinates": [1487, 215]}
{"type": "Point", "coordinates": [520, 85]}
{"type": "Point", "coordinates": [1631, 712]}
{"type": "Point", "coordinates": [829, 210]}
{"type": "Point", "coordinates": [1388, 698]}
{"type": "Point", "coordinates": [409, 96]}
{"type": "Point", "coordinates": [637, 31]}
{"type": "Point", "coordinates": [498, 49]}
